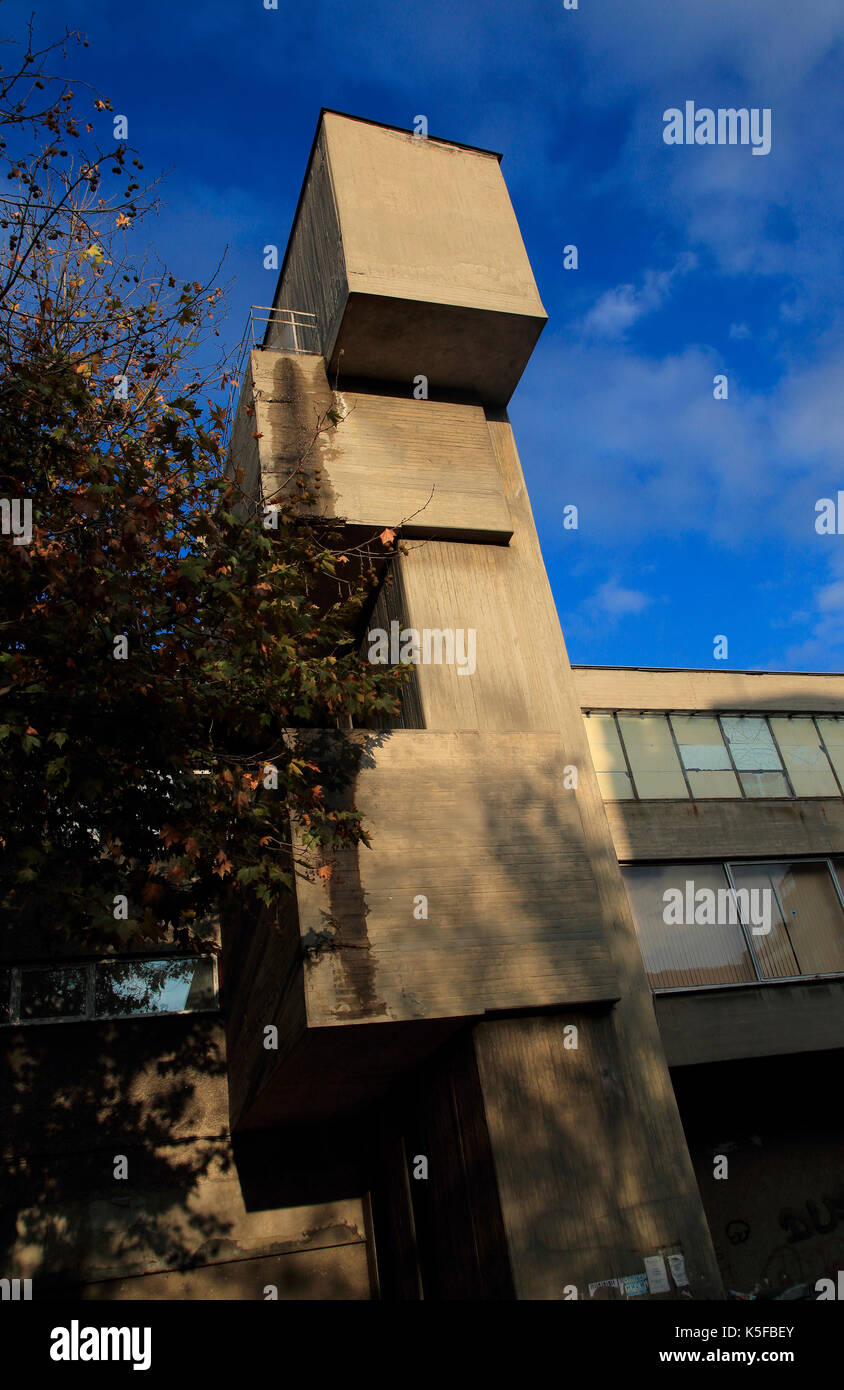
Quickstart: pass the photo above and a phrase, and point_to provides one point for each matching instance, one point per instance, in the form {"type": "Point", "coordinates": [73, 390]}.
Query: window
{"type": "Point", "coordinates": [805, 760]}
{"type": "Point", "coordinates": [754, 754]}
{"type": "Point", "coordinates": [831, 729]}
{"type": "Point", "coordinates": [652, 756]}
{"type": "Point", "coordinates": [153, 986]}
{"type": "Point", "coordinates": [107, 989]}
{"type": "Point", "coordinates": [704, 755]}
{"type": "Point", "coordinates": [807, 923]}
{"type": "Point", "coordinates": [55, 993]}
{"type": "Point", "coordinates": [685, 953]}
{"type": "Point", "coordinates": [608, 757]}
{"type": "Point", "coordinates": [707, 924]}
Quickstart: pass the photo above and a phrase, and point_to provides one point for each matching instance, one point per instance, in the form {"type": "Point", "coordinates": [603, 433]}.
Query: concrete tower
{"type": "Point", "coordinates": [483, 1005]}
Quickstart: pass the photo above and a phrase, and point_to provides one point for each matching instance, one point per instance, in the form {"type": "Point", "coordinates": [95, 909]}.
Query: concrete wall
{"type": "Point", "coordinates": [428, 465]}
{"type": "Point", "coordinates": [410, 254]}
{"type": "Point", "coordinates": [190, 1219]}
{"type": "Point", "coordinates": [528, 921]}
{"type": "Point", "coordinates": [772, 1020]}
{"type": "Point", "coordinates": [637, 688]}
{"type": "Point", "coordinates": [313, 278]}
{"type": "Point", "coordinates": [656, 830]}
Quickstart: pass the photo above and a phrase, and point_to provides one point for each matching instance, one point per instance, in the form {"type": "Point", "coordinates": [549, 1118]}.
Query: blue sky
{"type": "Point", "coordinates": [696, 515]}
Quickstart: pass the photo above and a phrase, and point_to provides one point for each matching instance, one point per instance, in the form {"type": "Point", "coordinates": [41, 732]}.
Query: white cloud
{"type": "Point", "coordinates": [644, 450]}
{"type": "Point", "coordinates": [825, 637]}
{"type": "Point", "coordinates": [618, 309]}
{"type": "Point", "coordinates": [614, 601]}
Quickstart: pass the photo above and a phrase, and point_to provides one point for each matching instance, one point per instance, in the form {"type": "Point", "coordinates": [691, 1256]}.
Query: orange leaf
{"type": "Point", "coordinates": [387, 536]}
{"type": "Point", "coordinates": [325, 872]}
{"type": "Point", "coordinates": [223, 864]}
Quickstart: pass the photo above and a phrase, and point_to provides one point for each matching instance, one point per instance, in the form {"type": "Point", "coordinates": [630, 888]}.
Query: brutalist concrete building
{"type": "Point", "coordinates": [576, 1030]}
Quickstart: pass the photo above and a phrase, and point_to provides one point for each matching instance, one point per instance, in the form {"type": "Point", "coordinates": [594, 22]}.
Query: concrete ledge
{"type": "Point", "coordinates": [763, 1021]}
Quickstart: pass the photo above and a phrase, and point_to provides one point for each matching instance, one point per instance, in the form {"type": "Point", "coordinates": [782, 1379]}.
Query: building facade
{"type": "Point", "coordinates": [503, 1063]}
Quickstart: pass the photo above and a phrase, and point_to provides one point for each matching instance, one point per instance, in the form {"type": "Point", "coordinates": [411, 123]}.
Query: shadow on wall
{"type": "Point", "coordinates": [590, 1160]}
{"type": "Point", "coordinates": [120, 1180]}
{"type": "Point", "coordinates": [74, 1098]}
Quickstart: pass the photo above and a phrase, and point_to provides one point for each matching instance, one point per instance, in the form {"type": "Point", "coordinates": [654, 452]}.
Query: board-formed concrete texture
{"type": "Point", "coordinates": [409, 253]}
{"type": "Point", "coordinates": [636, 688]}
{"type": "Point", "coordinates": [485, 940]}
{"type": "Point", "coordinates": [195, 1218]}
{"type": "Point", "coordinates": [492, 841]}
{"type": "Point", "coordinates": [429, 464]}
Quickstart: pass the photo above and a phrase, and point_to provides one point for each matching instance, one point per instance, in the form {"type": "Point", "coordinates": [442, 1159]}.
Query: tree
{"type": "Point", "coordinates": [160, 645]}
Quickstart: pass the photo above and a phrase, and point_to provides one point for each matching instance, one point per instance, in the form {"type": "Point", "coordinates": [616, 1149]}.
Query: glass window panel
{"type": "Point", "coordinates": [615, 786]}
{"type": "Point", "coordinates": [814, 917]}
{"type": "Point", "coordinates": [701, 743]}
{"type": "Point", "coordinates": [804, 758]}
{"type": "Point", "coordinates": [53, 993]}
{"type": "Point", "coordinates": [608, 758]}
{"type": "Point", "coordinates": [653, 757]}
{"type": "Point", "coordinates": [812, 914]}
{"type": "Point", "coordinates": [688, 953]}
{"type": "Point", "coordinates": [764, 784]}
{"type": "Point", "coordinates": [750, 743]}
{"type": "Point", "coordinates": [774, 949]}
{"type": "Point", "coordinates": [832, 732]}
{"type": "Point", "coordinates": [154, 986]}
{"type": "Point", "coordinates": [604, 743]}
{"type": "Point", "coordinates": [705, 784]}
{"type": "Point", "coordinates": [808, 923]}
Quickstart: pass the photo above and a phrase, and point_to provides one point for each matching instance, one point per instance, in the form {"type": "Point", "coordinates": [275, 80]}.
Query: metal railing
{"type": "Point", "coordinates": [289, 330]}
{"type": "Point", "coordinates": [285, 330]}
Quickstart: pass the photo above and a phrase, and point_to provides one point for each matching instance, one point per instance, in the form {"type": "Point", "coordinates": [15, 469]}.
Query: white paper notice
{"type": "Point", "coordinates": [657, 1274]}
{"type": "Point", "coordinates": [602, 1284]}
{"type": "Point", "coordinates": [677, 1266]}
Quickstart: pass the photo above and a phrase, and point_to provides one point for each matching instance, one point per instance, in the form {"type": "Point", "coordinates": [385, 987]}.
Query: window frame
{"type": "Point", "coordinates": [89, 965]}
{"type": "Point", "coordinates": [718, 715]}
{"type": "Point", "coordinates": [726, 864]}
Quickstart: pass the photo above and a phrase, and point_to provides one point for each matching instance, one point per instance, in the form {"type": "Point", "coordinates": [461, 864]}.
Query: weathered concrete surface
{"type": "Point", "coordinates": [636, 688]}
{"type": "Point", "coordinates": [153, 1092]}
{"type": "Point", "coordinates": [339, 1273]}
{"type": "Point", "coordinates": [409, 253]}
{"type": "Point", "coordinates": [778, 1020]}
{"type": "Point", "coordinates": [392, 460]}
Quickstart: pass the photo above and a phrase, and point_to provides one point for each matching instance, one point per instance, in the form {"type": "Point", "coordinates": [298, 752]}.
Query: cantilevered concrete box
{"type": "Point", "coordinates": [477, 896]}
{"type": "Point", "coordinates": [408, 252]}
{"type": "Point", "coordinates": [427, 465]}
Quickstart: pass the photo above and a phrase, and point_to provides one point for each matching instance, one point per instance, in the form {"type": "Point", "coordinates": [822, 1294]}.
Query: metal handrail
{"type": "Point", "coordinates": [295, 320]}
{"type": "Point", "coordinates": [292, 318]}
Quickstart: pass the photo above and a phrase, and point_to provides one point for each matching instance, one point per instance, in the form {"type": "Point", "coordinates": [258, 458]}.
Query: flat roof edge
{"type": "Point", "coordinates": [347, 115]}
{"type": "Point", "coordinates": [403, 130]}
{"type": "Point", "coordinates": [702, 670]}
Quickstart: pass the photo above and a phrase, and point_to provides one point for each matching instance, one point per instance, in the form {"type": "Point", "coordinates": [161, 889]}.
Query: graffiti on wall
{"type": "Point", "coordinates": [820, 1218]}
